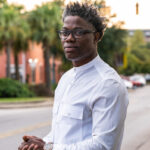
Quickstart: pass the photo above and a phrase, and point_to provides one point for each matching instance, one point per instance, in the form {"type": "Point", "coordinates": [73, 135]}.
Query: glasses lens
{"type": "Point", "coordinates": [63, 34]}
{"type": "Point", "coordinates": [80, 32]}
{"type": "Point", "coordinates": [76, 33]}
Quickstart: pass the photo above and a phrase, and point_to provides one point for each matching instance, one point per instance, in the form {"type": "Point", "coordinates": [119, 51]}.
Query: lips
{"type": "Point", "coordinates": [70, 49]}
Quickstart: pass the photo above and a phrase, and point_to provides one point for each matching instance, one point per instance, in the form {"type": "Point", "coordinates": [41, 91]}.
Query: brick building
{"type": "Point", "coordinates": [31, 65]}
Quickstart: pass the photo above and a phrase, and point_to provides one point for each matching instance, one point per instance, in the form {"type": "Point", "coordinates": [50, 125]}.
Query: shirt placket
{"type": "Point", "coordinates": [64, 97]}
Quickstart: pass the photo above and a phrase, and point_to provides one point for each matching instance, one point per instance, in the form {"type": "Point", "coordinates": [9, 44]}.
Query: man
{"type": "Point", "coordinates": [90, 100]}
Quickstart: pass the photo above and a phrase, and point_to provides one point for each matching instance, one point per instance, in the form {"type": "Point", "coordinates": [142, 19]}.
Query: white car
{"type": "Point", "coordinates": [138, 78]}
{"type": "Point", "coordinates": [147, 77]}
{"type": "Point", "coordinates": [128, 84]}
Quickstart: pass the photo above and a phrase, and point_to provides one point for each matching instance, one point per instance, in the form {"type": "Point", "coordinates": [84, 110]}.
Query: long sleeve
{"type": "Point", "coordinates": [48, 137]}
{"type": "Point", "coordinates": [108, 104]}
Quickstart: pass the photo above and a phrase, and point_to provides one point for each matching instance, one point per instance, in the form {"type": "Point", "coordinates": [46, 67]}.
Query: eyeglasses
{"type": "Point", "coordinates": [76, 33]}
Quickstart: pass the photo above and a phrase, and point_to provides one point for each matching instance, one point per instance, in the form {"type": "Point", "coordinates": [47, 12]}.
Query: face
{"type": "Point", "coordinates": [82, 50]}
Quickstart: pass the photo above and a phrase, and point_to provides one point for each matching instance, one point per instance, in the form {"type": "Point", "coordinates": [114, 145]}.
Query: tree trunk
{"type": "Point", "coordinates": [47, 68]}
{"type": "Point", "coordinates": [17, 77]}
{"type": "Point", "coordinates": [8, 49]}
{"type": "Point", "coordinates": [115, 61]}
{"type": "Point", "coordinates": [53, 70]}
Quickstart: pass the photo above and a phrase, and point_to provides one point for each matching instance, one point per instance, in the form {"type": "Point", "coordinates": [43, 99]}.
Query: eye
{"type": "Point", "coordinates": [78, 32]}
{"type": "Point", "coordinates": [65, 33]}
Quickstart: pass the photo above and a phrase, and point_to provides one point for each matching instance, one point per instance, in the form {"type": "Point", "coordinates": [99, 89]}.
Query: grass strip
{"type": "Point", "coordinates": [24, 99]}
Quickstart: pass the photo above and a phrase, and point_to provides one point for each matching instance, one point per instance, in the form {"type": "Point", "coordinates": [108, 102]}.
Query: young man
{"type": "Point", "coordinates": [90, 100]}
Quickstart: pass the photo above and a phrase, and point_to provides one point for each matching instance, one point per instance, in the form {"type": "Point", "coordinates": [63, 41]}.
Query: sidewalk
{"type": "Point", "coordinates": [33, 104]}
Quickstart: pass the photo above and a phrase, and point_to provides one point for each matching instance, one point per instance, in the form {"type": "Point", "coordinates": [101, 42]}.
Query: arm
{"type": "Point", "coordinates": [108, 105]}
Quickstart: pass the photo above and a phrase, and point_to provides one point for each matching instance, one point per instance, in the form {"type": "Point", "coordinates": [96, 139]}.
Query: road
{"type": "Point", "coordinates": [15, 123]}
{"type": "Point", "coordinates": [137, 125]}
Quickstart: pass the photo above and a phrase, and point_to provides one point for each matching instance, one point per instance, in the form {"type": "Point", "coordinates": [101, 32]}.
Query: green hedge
{"type": "Point", "coordinates": [13, 88]}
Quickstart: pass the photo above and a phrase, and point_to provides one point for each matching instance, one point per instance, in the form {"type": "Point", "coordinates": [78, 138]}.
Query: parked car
{"type": "Point", "coordinates": [137, 80]}
{"type": "Point", "coordinates": [127, 82]}
{"type": "Point", "coordinates": [147, 77]}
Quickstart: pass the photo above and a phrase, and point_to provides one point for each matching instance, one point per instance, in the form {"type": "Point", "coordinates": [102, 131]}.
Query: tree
{"type": "Point", "coordinates": [44, 30]}
{"type": "Point", "coordinates": [2, 2]}
{"type": "Point", "coordinates": [21, 41]}
{"type": "Point", "coordinates": [112, 45]}
{"type": "Point", "coordinates": [14, 32]}
{"type": "Point", "coordinates": [8, 28]}
{"type": "Point", "coordinates": [137, 40]}
{"type": "Point", "coordinates": [138, 55]}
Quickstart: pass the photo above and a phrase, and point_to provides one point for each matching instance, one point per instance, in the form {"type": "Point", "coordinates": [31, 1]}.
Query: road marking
{"type": "Point", "coordinates": [22, 130]}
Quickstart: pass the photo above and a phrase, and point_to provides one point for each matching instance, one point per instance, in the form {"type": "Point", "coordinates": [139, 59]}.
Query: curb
{"type": "Point", "coordinates": [32, 104]}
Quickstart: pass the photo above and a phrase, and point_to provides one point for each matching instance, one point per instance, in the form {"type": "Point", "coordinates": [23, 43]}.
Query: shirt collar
{"type": "Point", "coordinates": [87, 65]}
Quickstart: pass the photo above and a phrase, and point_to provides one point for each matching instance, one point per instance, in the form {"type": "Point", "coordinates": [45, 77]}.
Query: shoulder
{"type": "Point", "coordinates": [109, 91]}
{"type": "Point", "coordinates": [110, 83]}
{"type": "Point", "coordinates": [106, 72]}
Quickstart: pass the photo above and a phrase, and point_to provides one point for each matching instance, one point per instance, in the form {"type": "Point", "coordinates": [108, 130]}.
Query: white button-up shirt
{"type": "Point", "coordinates": [89, 109]}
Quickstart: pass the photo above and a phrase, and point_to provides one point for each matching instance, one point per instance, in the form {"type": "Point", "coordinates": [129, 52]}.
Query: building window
{"type": "Point", "coordinates": [131, 33]}
{"type": "Point", "coordinates": [147, 33]}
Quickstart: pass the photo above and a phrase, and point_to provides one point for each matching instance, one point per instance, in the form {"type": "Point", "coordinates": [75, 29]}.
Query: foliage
{"type": "Point", "coordinates": [133, 67]}
{"type": "Point", "coordinates": [12, 88]}
{"type": "Point", "coordinates": [40, 90]}
{"type": "Point", "coordinates": [66, 65]}
{"type": "Point", "coordinates": [14, 31]}
{"type": "Point", "coordinates": [113, 44]}
{"type": "Point", "coordinates": [137, 40]}
{"type": "Point", "coordinates": [148, 45]}
{"type": "Point", "coordinates": [142, 53]}
{"type": "Point", "coordinates": [2, 2]}
{"type": "Point", "coordinates": [44, 26]}
{"type": "Point", "coordinates": [21, 41]}
{"type": "Point", "coordinates": [9, 23]}
{"type": "Point", "coordinates": [44, 29]}
{"type": "Point", "coordinates": [138, 55]}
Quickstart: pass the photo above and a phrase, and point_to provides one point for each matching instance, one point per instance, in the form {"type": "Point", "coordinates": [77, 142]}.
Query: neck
{"type": "Point", "coordinates": [83, 61]}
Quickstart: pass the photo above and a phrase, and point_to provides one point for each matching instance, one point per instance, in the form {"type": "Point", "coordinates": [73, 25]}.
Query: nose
{"type": "Point", "coordinates": [70, 37]}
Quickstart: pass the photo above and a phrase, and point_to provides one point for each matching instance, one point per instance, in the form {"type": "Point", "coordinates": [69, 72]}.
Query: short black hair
{"type": "Point", "coordinates": [88, 13]}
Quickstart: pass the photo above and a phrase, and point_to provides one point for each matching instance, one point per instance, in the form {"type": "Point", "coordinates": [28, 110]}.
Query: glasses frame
{"type": "Point", "coordinates": [72, 32]}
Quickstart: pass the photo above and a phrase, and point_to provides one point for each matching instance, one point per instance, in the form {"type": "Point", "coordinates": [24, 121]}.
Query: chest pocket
{"type": "Point", "coordinates": [72, 111]}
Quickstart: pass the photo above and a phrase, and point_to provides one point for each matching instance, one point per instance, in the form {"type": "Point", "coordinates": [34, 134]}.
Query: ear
{"type": "Point", "coordinates": [97, 37]}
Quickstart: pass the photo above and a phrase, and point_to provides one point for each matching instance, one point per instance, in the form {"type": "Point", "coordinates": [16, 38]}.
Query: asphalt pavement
{"type": "Point", "coordinates": [20, 121]}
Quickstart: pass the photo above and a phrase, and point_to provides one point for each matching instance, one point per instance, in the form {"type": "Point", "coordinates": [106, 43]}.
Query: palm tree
{"type": "Point", "coordinates": [44, 21]}
{"type": "Point", "coordinates": [9, 24]}
{"type": "Point", "coordinates": [21, 41]}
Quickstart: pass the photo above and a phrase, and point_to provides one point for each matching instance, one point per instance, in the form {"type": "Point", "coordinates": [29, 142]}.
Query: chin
{"type": "Point", "coordinates": [71, 58]}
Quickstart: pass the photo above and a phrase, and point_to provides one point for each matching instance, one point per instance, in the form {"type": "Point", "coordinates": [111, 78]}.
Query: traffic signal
{"type": "Point", "coordinates": [137, 8]}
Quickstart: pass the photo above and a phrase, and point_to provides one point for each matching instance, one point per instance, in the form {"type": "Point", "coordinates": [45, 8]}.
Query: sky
{"type": "Point", "coordinates": [125, 10]}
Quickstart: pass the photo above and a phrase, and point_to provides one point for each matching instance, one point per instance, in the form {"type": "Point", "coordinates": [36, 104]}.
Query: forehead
{"type": "Point", "coordinates": [76, 22]}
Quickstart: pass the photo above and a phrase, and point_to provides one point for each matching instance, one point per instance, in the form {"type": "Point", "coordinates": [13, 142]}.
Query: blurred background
{"type": "Point", "coordinates": [32, 59]}
{"type": "Point", "coordinates": [31, 52]}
